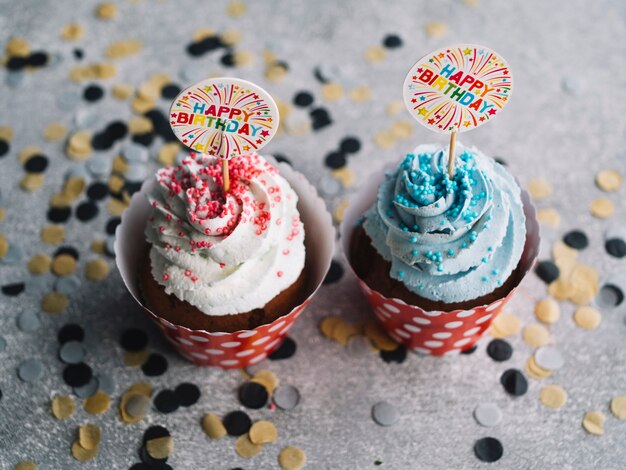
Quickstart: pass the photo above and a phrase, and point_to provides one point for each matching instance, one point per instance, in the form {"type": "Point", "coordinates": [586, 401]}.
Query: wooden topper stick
{"type": "Point", "coordinates": [225, 178]}
{"type": "Point", "coordinates": [451, 156]}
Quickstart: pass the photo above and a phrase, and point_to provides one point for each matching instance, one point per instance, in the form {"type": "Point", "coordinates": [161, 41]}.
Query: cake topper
{"type": "Point", "coordinates": [457, 88]}
{"type": "Point", "coordinates": [224, 117]}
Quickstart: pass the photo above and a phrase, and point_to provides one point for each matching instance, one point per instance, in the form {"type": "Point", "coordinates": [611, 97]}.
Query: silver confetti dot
{"type": "Point", "coordinates": [86, 118]}
{"type": "Point", "coordinates": [30, 370]}
{"type": "Point", "coordinates": [329, 186]}
{"type": "Point", "coordinates": [14, 255]}
{"type": "Point", "coordinates": [135, 153]}
{"type": "Point", "coordinates": [69, 99]}
{"type": "Point", "coordinates": [72, 352]}
{"type": "Point", "coordinates": [106, 384]}
{"type": "Point", "coordinates": [36, 284]}
{"type": "Point", "coordinates": [28, 321]}
{"type": "Point", "coordinates": [488, 414]}
{"type": "Point", "coordinates": [78, 171]}
{"type": "Point", "coordinates": [548, 357]}
{"type": "Point", "coordinates": [67, 284]}
{"type": "Point", "coordinates": [385, 413]}
{"type": "Point", "coordinates": [137, 406]}
{"type": "Point", "coordinates": [286, 397]}
{"type": "Point", "coordinates": [109, 245]}
{"type": "Point", "coordinates": [99, 166]}
{"type": "Point", "coordinates": [136, 172]}
{"type": "Point", "coordinates": [87, 390]}
{"type": "Point", "coordinates": [359, 346]}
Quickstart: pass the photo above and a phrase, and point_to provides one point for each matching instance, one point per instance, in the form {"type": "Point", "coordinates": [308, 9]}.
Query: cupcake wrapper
{"type": "Point", "coordinates": [433, 332]}
{"type": "Point", "coordinates": [245, 347]}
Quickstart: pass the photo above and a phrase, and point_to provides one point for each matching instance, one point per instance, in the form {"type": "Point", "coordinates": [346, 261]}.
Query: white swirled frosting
{"type": "Point", "coordinates": [224, 253]}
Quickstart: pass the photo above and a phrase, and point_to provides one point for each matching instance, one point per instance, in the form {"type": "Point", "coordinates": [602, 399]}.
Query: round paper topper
{"type": "Point", "coordinates": [457, 88]}
{"type": "Point", "coordinates": [224, 117]}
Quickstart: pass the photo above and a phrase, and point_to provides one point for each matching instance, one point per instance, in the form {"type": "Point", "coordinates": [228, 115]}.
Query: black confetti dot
{"type": "Point", "coordinates": [36, 164]}
{"type": "Point", "coordinates": [576, 239]}
{"type": "Point", "coordinates": [166, 401]}
{"type": "Point", "coordinates": [116, 130]}
{"type": "Point", "coordinates": [14, 289]}
{"type": "Point", "coordinates": [253, 395]}
{"type": "Point", "coordinates": [237, 423]}
{"type": "Point", "coordinates": [140, 466]}
{"type": "Point", "coordinates": [77, 375]}
{"type": "Point", "coordinates": [350, 145]}
{"type": "Point", "coordinates": [499, 350]}
{"type": "Point", "coordinates": [488, 449]}
{"type": "Point", "coordinates": [319, 75]}
{"type": "Point", "coordinates": [112, 225]}
{"type": "Point", "coordinates": [67, 250]}
{"type": "Point", "coordinates": [134, 340]}
{"type": "Point", "coordinates": [154, 432]}
{"type": "Point", "coordinates": [144, 139]}
{"type": "Point", "coordinates": [391, 41]}
{"type": "Point", "coordinates": [500, 161]}
{"type": "Point", "coordinates": [470, 350]}
{"type": "Point", "coordinates": [610, 295]}
{"type": "Point", "coordinates": [155, 365]}
{"type": "Point", "coordinates": [4, 147]}
{"type": "Point", "coordinates": [71, 332]}
{"type": "Point", "coordinates": [286, 350]}
{"type": "Point", "coordinates": [16, 63]}
{"type": "Point", "coordinates": [303, 99]}
{"type": "Point", "coordinates": [161, 125]}
{"type": "Point", "coordinates": [86, 210]}
{"type": "Point", "coordinates": [334, 272]}
{"type": "Point", "coordinates": [170, 91]}
{"type": "Point", "coordinates": [93, 93]}
{"type": "Point", "coordinates": [59, 215]}
{"type": "Point", "coordinates": [228, 59]}
{"type": "Point", "coordinates": [132, 187]}
{"type": "Point", "coordinates": [102, 141]}
{"type": "Point", "coordinates": [615, 247]}
{"type": "Point", "coordinates": [397, 355]}
{"type": "Point", "coordinates": [78, 53]}
{"type": "Point", "coordinates": [320, 119]}
{"type": "Point", "coordinates": [187, 394]}
{"type": "Point", "coordinates": [37, 59]}
{"type": "Point", "coordinates": [207, 44]}
{"type": "Point", "coordinates": [97, 191]}
{"type": "Point", "coordinates": [547, 271]}
{"type": "Point", "coordinates": [281, 158]}
{"type": "Point", "coordinates": [335, 160]}
{"type": "Point", "coordinates": [514, 382]}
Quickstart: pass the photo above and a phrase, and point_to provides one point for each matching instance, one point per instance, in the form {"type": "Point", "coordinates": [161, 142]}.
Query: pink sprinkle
{"type": "Point", "coordinates": [279, 274]}
{"type": "Point", "coordinates": [187, 273]}
{"type": "Point", "coordinates": [161, 228]}
{"type": "Point", "coordinates": [166, 277]}
{"type": "Point", "coordinates": [285, 251]}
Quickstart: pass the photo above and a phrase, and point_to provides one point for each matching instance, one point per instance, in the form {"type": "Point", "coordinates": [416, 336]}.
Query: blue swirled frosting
{"type": "Point", "coordinates": [448, 239]}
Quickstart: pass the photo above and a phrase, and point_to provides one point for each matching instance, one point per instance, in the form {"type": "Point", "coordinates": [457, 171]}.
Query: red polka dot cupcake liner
{"type": "Point", "coordinates": [240, 348]}
{"type": "Point", "coordinates": [434, 332]}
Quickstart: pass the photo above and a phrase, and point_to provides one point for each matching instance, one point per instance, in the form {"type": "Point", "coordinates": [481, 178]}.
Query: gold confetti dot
{"type": "Point", "coordinates": [539, 189]}
{"type": "Point", "coordinates": [402, 129]}
{"type": "Point", "coordinates": [106, 11]}
{"type": "Point", "coordinates": [6, 133]}
{"type": "Point", "coordinates": [553, 396]}
{"type": "Point", "coordinates": [39, 264]}
{"type": "Point", "coordinates": [97, 404]}
{"type": "Point", "coordinates": [291, 458]}
{"type": "Point", "coordinates": [375, 54]}
{"type": "Point", "coordinates": [549, 217]}
{"type": "Point", "coordinates": [74, 186]}
{"type": "Point", "coordinates": [167, 153]}
{"type": "Point", "coordinates": [562, 251]}
{"type": "Point", "coordinates": [547, 311]}
{"type": "Point", "coordinates": [435, 29]}
{"type": "Point", "coordinates": [235, 9]}
{"type": "Point", "coordinates": [72, 32]}
{"type": "Point", "coordinates": [123, 49]}
{"type": "Point", "coordinates": [161, 447]}
{"type": "Point", "coordinates": [379, 337]}
{"type": "Point", "coordinates": [246, 448]}
{"type": "Point", "coordinates": [18, 47]}
{"type": "Point", "coordinates": [587, 317]}
{"type": "Point", "coordinates": [63, 265]}
{"type": "Point", "coordinates": [116, 183]}
{"type": "Point", "coordinates": [243, 58]}
{"type": "Point", "coordinates": [203, 33]}
{"type": "Point", "coordinates": [618, 407]}
{"type": "Point", "coordinates": [536, 335]}
{"type": "Point", "coordinates": [27, 152]}
{"type": "Point", "coordinates": [585, 284]}
{"type": "Point", "coordinates": [602, 208]}
{"type": "Point", "coordinates": [142, 105]}
{"type": "Point", "coordinates": [4, 246]}
{"type": "Point", "coordinates": [121, 91]}
{"type": "Point", "coordinates": [384, 139]}
{"type": "Point", "coordinates": [54, 302]}
{"type": "Point", "coordinates": [96, 269]}
{"type": "Point", "coordinates": [139, 388]}
{"type": "Point", "coordinates": [94, 71]}
{"type": "Point", "coordinates": [593, 422]}
{"type": "Point", "coordinates": [328, 324]}
{"type": "Point", "coordinates": [213, 427]}
{"type": "Point", "coordinates": [275, 72]}
{"type": "Point", "coordinates": [63, 407]}
{"type": "Point", "coordinates": [32, 182]}
{"type": "Point", "coordinates": [340, 209]}
{"type": "Point", "coordinates": [81, 454]}
{"type": "Point", "coordinates": [230, 37]}
{"type": "Point", "coordinates": [609, 180]}
{"type": "Point", "coordinates": [343, 332]}
{"type": "Point", "coordinates": [561, 289]}
{"type": "Point", "coordinates": [505, 324]}
{"type": "Point", "coordinates": [135, 358]}
{"type": "Point", "coordinates": [54, 131]}
{"type": "Point", "coordinates": [345, 176]}
{"type": "Point", "coordinates": [263, 432]}
{"type": "Point", "coordinates": [149, 91]}
{"type": "Point", "coordinates": [25, 465]}
{"type": "Point", "coordinates": [89, 436]}
{"type": "Point", "coordinates": [53, 234]}
{"type": "Point", "coordinates": [361, 94]}
{"type": "Point", "coordinates": [534, 370]}
{"type": "Point", "coordinates": [267, 378]}
{"type": "Point", "coordinates": [119, 165]}
{"type": "Point", "coordinates": [116, 207]}
{"type": "Point", "coordinates": [2, 214]}
{"type": "Point", "coordinates": [395, 107]}
{"type": "Point", "coordinates": [332, 91]}
{"type": "Point", "coordinates": [79, 146]}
